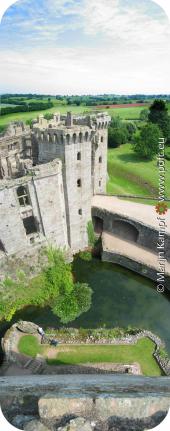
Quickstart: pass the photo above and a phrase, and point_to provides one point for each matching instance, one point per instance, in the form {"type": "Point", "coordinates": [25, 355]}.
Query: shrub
{"type": "Point", "coordinates": [91, 233]}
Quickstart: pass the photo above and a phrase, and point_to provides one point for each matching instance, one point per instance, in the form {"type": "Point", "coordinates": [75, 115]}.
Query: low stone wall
{"type": "Point", "coordinates": [140, 268]}
{"type": "Point", "coordinates": [10, 340]}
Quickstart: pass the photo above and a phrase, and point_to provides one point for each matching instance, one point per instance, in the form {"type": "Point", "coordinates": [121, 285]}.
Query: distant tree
{"type": "Point", "coordinates": [146, 141]}
{"type": "Point", "coordinates": [158, 114]}
{"type": "Point", "coordinates": [144, 115]}
{"type": "Point", "coordinates": [131, 129]}
{"type": "Point", "coordinates": [116, 122]}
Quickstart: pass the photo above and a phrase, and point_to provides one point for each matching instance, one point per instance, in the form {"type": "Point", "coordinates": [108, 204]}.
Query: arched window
{"type": "Point", "coordinates": [79, 155]}
{"type": "Point", "coordinates": [23, 197]}
{"type": "Point", "coordinates": [80, 211]}
{"type": "Point", "coordinates": [79, 182]}
{"type": "Point", "coordinates": [68, 138]}
{"type": "Point", "coordinates": [100, 159]}
{"type": "Point", "coordinates": [100, 183]}
{"type": "Point", "coordinates": [80, 137]}
{"type": "Point", "coordinates": [74, 138]}
{"type": "Point", "coordinates": [55, 138]}
{"type": "Point", "coordinates": [86, 136]}
{"type": "Point", "coordinates": [101, 139]}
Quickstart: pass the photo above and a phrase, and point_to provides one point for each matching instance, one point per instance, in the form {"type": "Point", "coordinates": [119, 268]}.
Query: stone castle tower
{"type": "Point", "coordinates": [48, 176]}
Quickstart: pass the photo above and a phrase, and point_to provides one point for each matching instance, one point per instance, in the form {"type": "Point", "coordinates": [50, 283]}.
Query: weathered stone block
{"type": "Point", "coordinates": [53, 407]}
{"type": "Point", "coordinates": [27, 327]}
{"type": "Point", "coordinates": [36, 426]}
{"type": "Point", "coordinates": [78, 424]}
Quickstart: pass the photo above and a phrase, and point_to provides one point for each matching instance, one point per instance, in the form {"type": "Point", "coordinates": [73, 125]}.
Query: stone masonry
{"type": "Point", "coordinates": [48, 175]}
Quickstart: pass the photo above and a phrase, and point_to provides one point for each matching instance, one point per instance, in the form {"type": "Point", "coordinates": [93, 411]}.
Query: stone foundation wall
{"type": "Point", "coordinates": [138, 267]}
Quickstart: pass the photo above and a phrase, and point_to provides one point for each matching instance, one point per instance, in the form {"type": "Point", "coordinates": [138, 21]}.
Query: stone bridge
{"type": "Point", "coordinates": [131, 234]}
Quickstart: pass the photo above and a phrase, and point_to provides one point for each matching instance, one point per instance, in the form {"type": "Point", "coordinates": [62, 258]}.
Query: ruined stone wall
{"type": "Point", "coordinates": [42, 218]}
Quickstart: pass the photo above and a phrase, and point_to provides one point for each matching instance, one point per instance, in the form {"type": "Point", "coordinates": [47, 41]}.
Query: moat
{"type": "Point", "coordinates": [120, 298]}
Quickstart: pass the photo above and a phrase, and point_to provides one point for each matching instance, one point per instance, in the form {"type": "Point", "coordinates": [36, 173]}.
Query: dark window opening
{"type": "Point", "coordinates": [80, 137]}
{"type": "Point", "coordinates": [79, 155]}
{"type": "Point", "coordinates": [99, 183]}
{"type": "Point", "coordinates": [80, 211]}
{"type": "Point", "coordinates": [2, 248]}
{"type": "Point", "coordinates": [23, 196]}
{"type": "Point", "coordinates": [79, 182]}
{"type": "Point", "coordinates": [101, 138]}
{"type": "Point", "coordinates": [74, 138]}
{"type": "Point", "coordinates": [30, 225]}
{"type": "Point", "coordinates": [86, 136]}
{"type": "Point", "coordinates": [100, 159]}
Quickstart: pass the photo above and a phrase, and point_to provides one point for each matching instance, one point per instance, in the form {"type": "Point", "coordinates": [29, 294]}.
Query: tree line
{"type": "Point", "coordinates": [26, 107]}
{"type": "Point", "coordinates": [144, 135]}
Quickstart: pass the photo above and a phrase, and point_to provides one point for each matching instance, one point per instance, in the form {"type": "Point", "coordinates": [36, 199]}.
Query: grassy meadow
{"type": "Point", "coordinates": [129, 174]}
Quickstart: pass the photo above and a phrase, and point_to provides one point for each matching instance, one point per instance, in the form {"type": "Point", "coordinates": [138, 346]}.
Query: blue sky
{"type": "Point", "coordinates": [85, 46]}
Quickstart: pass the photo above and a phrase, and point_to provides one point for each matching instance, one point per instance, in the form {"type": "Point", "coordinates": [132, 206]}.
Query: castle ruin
{"type": "Point", "coordinates": [48, 175]}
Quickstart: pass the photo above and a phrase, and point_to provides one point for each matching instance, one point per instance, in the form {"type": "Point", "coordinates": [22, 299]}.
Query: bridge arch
{"type": "Point", "coordinates": [98, 224]}
{"type": "Point", "coordinates": [125, 230]}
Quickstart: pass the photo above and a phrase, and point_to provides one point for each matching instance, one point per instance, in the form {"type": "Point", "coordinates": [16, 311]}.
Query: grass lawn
{"type": "Point", "coordinates": [29, 345]}
{"type": "Point", "coordinates": [128, 174]}
{"type": "Point", "coordinates": [142, 352]}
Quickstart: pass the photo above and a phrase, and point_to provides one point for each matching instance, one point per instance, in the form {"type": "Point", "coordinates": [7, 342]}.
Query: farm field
{"type": "Point", "coordinates": [128, 174]}
{"type": "Point", "coordinates": [125, 113]}
{"type": "Point", "coordinates": [141, 352]}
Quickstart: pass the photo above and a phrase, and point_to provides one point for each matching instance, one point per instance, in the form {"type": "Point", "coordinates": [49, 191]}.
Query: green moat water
{"type": "Point", "coordinates": [120, 298]}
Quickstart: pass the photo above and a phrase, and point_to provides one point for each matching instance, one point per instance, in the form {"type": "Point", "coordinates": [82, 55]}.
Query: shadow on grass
{"type": "Point", "coordinates": [132, 158]}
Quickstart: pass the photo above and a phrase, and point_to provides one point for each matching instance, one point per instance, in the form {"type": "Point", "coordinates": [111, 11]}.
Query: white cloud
{"type": "Point", "coordinates": [131, 53]}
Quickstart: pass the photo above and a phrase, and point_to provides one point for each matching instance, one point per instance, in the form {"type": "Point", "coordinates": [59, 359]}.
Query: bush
{"type": "Point", "coordinates": [117, 137]}
{"type": "Point", "coordinates": [91, 234]}
{"type": "Point", "coordinates": [85, 255]}
{"type": "Point", "coordinates": [54, 287]}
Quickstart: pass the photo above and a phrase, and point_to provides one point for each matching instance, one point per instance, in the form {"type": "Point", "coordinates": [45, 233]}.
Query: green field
{"type": "Point", "coordinates": [142, 352]}
{"type": "Point", "coordinates": [6, 119]}
{"type": "Point", "coordinates": [124, 113]}
{"type": "Point", "coordinates": [129, 174]}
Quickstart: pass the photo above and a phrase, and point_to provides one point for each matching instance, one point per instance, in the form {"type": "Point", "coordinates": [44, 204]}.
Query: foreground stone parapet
{"type": "Point", "coordinates": [133, 401]}
{"type": "Point", "coordinates": [53, 407]}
